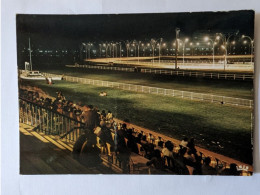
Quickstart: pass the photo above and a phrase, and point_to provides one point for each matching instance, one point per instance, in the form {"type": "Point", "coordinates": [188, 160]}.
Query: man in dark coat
{"type": "Point", "coordinates": [90, 118]}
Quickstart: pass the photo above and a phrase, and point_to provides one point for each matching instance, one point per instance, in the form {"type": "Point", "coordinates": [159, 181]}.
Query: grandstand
{"type": "Point", "coordinates": [57, 122]}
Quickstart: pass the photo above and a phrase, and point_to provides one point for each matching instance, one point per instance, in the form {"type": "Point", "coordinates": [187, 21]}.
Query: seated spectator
{"type": "Point", "coordinates": [190, 157]}
{"type": "Point", "coordinates": [103, 115]}
{"type": "Point", "coordinates": [109, 115]}
{"type": "Point", "coordinates": [191, 145]}
{"type": "Point", "coordinates": [197, 166]}
{"type": "Point", "coordinates": [149, 150]}
{"type": "Point", "coordinates": [157, 161]}
{"type": "Point", "coordinates": [143, 140]}
{"type": "Point", "coordinates": [179, 163]}
{"type": "Point", "coordinates": [206, 169]}
{"type": "Point", "coordinates": [168, 149]}
{"type": "Point", "coordinates": [184, 142]}
{"type": "Point", "coordinates": [231, 171]}
{"type": "Point", "coordinates": [139, 138]}
{"type": "Point", "coordinates": [159, 146]}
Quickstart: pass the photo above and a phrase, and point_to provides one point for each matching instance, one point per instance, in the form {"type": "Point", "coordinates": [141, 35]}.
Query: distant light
{"type": "Point", "coordinates": [245, 42]}
{"type": "Point", "coordinates": [206, 39]}
{"type": "Point", "coordinates": [186, 40]}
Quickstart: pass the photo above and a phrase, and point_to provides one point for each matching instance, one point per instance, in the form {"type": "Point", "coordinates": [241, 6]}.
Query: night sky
{"type": "Point", "coordinates": [59, 31]}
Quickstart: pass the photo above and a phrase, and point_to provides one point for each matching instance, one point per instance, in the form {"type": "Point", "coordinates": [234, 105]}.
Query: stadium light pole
{"type": "Point", "coordinates": [225, 40]}
{"type": "Point", "coordinates": [184, 42]}
{"type": "Point", "coordinates": [100, 48]}
{"type": "Point", "coordinates": [225, 48]}
{"type": "Point", "coordinates": [213, 45]}
{"type": "Point", "coordinates": [30, 51]}
{"type": "Point", "coordinates": [177, 32]}
{"type": "Point", "coordinates": [134, 45]}
{"type": "Point", "coordinates": [110, 49]}
{"type": "Point", "coordinates": [252, 46]}
{"type": "Point", "coordinates": [160, 49]}
{"type": "Point", "coordinates": [120, 52]}
{"type": "Point", "coordinates": [89, 47]}
{"type": "Point", "coordinates": [191, 45]}
{"type": "Point", "coordinates": [153, 42]}
{"type": "Point", "coordinates": [138, 47]}
{"type": "Point", "coordinates": [127, 45]}
{"type": "Point", "coordinates": [113, 48]}
{"type": "Point", "coordinates": [197, 47]}
{"type": "Point", "coordinates": [142, 45]}
{"type": "Point", "coordinates": [116, 48]}
{"type": "Point", "coordinates": [106, 45]}
{"type": "Point", "coordinates": [86, 49]}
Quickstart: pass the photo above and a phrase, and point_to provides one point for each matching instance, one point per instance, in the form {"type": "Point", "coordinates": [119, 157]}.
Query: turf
{"type": "Point", "coordinates": [208, 123]}
{"type": "Point", "coordinates": [238, 89]}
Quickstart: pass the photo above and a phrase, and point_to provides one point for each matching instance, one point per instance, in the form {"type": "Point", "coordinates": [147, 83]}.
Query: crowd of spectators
{"type": "Point", "coordinates": [164, 157]}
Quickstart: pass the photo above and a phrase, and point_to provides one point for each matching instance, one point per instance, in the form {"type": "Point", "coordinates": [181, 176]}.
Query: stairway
{"type": "Point", "coordinates": [48, 154]}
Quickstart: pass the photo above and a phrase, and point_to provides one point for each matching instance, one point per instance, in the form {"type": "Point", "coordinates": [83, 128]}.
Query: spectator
{"type": "Point", "coordinates": [103, 115]}
{"type": "Point", "coordinates": [231, 171]}
{"type": "Point", "coordinates": [123, 153]}
{"type": "Point", "coordinates": [190, 157]}
{"type": "Point", "coordinates": [159, 146]}
{"type": "Point", "coordinates": [131, 141]}
{"type": "Point", "coordinates": [206, 169]}
{"type": "Point", "coordinates": [105, 134]}
{"type": "Point", "coordinates": [179, 163]}
{"type": "Point", "coordinates": [89, 154]}
{"type": "Point", "coordinates": [168, 149]}
{"type": "Point", "coordinates": [184, 142]}
{"type": "Point", "coordinates": [109, 116]}
{"type": "Point", "coordinates": [139, 138]}
{"type": "Point", "coordinates": [157, 161]}
{"type": "Point", "coordinates": [91, 118]}
{"type": "Point", "coordinates": [122, 131]}
{"type": "Point", "coordinates": [197, 166]}
{"type": "Point", "coordinates": [191, 145]}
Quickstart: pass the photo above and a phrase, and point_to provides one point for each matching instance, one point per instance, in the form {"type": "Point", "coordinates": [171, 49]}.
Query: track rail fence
{"type": "Point", "coordinates": [160, 91]}
{"type": "Point", "coordinates": [212, 75]}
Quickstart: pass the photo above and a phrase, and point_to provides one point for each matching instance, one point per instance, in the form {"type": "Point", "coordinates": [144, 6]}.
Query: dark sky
{"type": "Point", "coordinates": [71, 30]}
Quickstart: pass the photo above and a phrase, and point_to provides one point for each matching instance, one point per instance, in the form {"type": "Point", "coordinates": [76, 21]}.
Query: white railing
{"type": "Point", "coordinates": [213, 75]}
{"type": "Point", "coordinates": [232, 76]}
{"type": "Point", "coordinates": [161, 91]}
{"type": "Point", "coordinates": [100, 67]}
